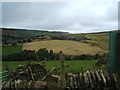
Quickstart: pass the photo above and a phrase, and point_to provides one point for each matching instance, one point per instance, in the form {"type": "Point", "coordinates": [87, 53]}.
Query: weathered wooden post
{"type": "Point", "coordinates": [45, 59]}
{"type": "Point", "coordinates": [71, 63]}
{"type": "Point", "coordinates": [62, 76]}
{"type": "Point", "coordinates": [45, 62]}
{"type": "Point", "coordinates": [55, 64]}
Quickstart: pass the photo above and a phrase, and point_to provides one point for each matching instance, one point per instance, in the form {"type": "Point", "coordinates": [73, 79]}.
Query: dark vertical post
{"type": "Point", "coordinates": [114, 56]}
{"type": "Point", "coordinates": [118, 59]}
{"type": "Point", "coordinates": [112, 52]}
{"type": "Point", "coordinates": [118, 52]}
{"type": "Point", "coordinates": [45, 62]}
{"type": "Point", "coordinates": [71, 63]}
{"type": "Point", "coordinates": [62, 76]}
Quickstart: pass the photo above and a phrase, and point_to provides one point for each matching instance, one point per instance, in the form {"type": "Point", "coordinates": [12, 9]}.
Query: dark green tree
{"type": "Point", "coordinates": [51, 55]}
{"type": "Point", "coordinates": [82, 57]}
{"type": "Point", "coordinates": [42, 54]}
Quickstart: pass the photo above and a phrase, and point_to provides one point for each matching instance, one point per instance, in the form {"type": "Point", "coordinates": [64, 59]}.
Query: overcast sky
{"type": "Point", "coordinates": [74, 17]}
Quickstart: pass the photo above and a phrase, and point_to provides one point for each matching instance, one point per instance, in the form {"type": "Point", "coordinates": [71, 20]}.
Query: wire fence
{"type": "Point", "coordinates": [3, 75]}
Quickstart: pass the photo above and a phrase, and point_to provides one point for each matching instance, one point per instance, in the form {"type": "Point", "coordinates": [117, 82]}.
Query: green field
{"type": "Point", "coordinates": [75, 66]}
{"type": "Point", "coordinates": [6, 50]}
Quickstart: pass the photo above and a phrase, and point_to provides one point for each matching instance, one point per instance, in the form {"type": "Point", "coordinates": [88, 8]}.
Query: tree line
{"type": "Point", "coordinates": [69, 37]}
{"type": "Point", "coordinates": [44, 54]}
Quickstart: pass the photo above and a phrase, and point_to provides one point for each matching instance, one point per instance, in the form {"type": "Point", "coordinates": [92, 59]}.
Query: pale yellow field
{"type": "Point", "coordinates": [68, 47]}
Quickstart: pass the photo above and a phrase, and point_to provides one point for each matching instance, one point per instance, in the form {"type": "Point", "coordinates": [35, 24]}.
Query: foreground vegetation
{"type": "Point", "coordinates": [76, 66]}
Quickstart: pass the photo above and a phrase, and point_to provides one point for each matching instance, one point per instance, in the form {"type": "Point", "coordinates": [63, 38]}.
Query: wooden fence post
{"type": "Point", "coordinates": [71, 66]}
{"type": "Point", "coordinates": [62, 76]}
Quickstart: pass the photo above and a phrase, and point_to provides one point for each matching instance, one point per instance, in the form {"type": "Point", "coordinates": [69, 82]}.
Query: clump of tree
{"type": "Point", "coordinates": [82, 57]}
{"type": "Point", "coordinates": [44, 54]}
{"type": "Point", "coordinates": [31, 55]}
{"type": "Point", "coordinates": [26, 55]}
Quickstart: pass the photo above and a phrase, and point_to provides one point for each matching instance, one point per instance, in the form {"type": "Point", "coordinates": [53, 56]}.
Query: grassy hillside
{"type": "Point", "coordinates": [24, 33]}
{"type": "Point", "coordinates": [67, 46]}
{"type": "Point", "coordinates": [100, 39]}
{"type": "Point", "coordinates": [10, 35]}
{"type": "Point", "coordinates": [96, 39]}
{"type": "Point", "coordinates": [75, 66]}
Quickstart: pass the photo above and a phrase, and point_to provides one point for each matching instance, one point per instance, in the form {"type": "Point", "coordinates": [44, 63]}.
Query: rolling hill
{"type": "Point", "coordinates": [67, 46]}
{"type": "Point", "coordinates": [18, 34]}
{"type": "Point", "coordinates": [71, 44]}
{"type": "Point", "coordinates": [99, 39]}
{"type": "Point", "coordinates": [27, 33]}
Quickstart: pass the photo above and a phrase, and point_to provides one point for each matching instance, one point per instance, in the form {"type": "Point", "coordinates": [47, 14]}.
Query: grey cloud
{"type": "Point", "coordinates": [65, 16]}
